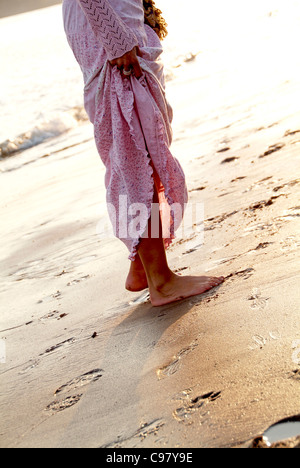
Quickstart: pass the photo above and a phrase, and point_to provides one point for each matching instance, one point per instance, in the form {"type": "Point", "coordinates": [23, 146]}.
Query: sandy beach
{"type": "Point", "coordinates": [90, 365]}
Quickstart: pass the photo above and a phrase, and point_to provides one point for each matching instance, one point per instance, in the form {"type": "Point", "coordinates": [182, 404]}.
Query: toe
{"type": "Point", "coordinates": [217, 281]}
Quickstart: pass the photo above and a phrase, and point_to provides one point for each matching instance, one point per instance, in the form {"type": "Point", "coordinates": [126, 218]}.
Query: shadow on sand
{"type": "Point", "coordinates": [134, 353]}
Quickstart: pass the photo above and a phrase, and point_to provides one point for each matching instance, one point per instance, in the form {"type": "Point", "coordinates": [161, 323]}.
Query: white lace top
{"type": "Point", "coordinates": [113, 21]}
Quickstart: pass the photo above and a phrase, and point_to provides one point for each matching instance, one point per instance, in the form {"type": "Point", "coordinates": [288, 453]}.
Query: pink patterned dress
{"type": "Point", "coordinates": [131, 117]}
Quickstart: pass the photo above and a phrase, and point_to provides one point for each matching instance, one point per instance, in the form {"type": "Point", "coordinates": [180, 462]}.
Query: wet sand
{"type": "Point", "coordinates": [85, 368]}
{"type": "Point", "coordinates": [90, 365]}
{"type": "Point", "coordinates": [9, 8]}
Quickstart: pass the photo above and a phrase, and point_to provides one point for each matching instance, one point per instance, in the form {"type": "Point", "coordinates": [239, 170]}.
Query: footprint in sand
{"type": "Point", "coordinates": [230, 160]}
{"type": "Point", "coordinates": [259, 342]}
{"type": "Point", "coordinates": [51, 298]}
{"type": "Point", "coordinates": [147, 429]}
{"type": "Point", "coordinates": [290, 244]}
{"type": "Point", "coordinates": [213, 223]}
{"type": "Point", "coordinates": [271, 228]}
{"type": "Point", "coordinates": [58, 346]}
{"type": "Point", "coordinates": [183, 396]}
{"type": "Point", "coordinates": [175, 364]}
{"type": "Point", "coordinates": [81, 381]}
{"type": "Point", "coordinates": [193, 405]}
{"type": "Point", "coordinates": [275, 335]}
{"type": "Point", "coordinates": [257, 301]}
{"type": "Point", "coordinates": [29, 366]}
{"type": "Point", "coordinates": [224, 150]}
{"type": "Point", "coordinates": [273, 149]}
{"type": "Point", "coordinates": [290, 214]}
{"type": "Point", "coordinates": [237, 179]}
{"type": "Point", "coordinates": [194, 249]}
{"type": "Point", "coordinates": [144, 431]}
{"type": "Point", "coordinates": [54, 315]}
{"type": "Point", "coordinates": [266, 181]}
{"type": "Point", "coordinates": [59, 406]}
{"type": "Point", "coordinates": [291, 183]}
{"type": "Point", "coordinates": [198, 189]}
{"type": "Point", "coordinates": [245, 274]}
{"type": "Point", "coordinates": [295, 375]}
{"type": "Point", "coordinates": [262, 245]}
{"type": "Point", "coordinates": [262, 204]}
{"type": "Point", "coordinates": [79, 280]}
{"type": "Point", "coordinates": [291, 133]}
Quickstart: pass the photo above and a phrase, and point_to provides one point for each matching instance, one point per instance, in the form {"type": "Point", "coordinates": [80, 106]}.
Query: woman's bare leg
{"type": "Point", "coordinates": [166, 287]}
{"type": "Point", "coordinates": [137, 279]}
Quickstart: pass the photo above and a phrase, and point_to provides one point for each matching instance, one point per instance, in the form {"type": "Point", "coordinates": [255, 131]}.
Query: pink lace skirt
{"type": "Point", "coordinates": [132, 121]}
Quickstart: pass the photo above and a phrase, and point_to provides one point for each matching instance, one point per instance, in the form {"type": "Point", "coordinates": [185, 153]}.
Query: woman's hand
{"type": "Point", "coordinates": [129, 62]}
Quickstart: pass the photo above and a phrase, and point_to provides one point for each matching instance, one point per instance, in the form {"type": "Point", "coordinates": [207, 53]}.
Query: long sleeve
{"type": "Point", "coordinates": [115, 36]}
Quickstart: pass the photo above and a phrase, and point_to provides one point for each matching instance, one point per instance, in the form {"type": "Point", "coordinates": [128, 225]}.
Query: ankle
{"type": "Point", "coordinates": [159, 280]}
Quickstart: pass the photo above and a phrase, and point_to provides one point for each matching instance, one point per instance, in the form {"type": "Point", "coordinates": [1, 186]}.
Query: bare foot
{"type": "Point", "coordinates": [182, 287]}
{"type": "Point", "coordinates": [137, 279]}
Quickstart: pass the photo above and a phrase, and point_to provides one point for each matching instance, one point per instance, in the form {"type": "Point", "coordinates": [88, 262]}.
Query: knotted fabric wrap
{"type": "Point", "coordinates": [132, 118]}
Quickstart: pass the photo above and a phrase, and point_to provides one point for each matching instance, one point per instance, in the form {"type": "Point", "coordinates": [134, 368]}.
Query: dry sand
{"type": "Point", "coordinates": [85, 366]}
